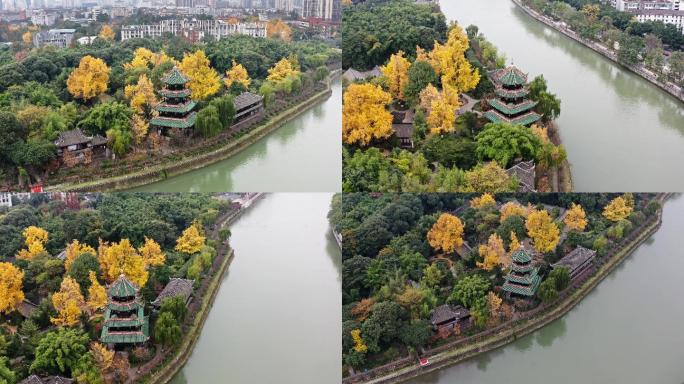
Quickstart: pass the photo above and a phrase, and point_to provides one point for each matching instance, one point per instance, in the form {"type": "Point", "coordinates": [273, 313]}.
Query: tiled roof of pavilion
{"type": "Point", "coordinates": [35, 379]}
{"type": "Point", "coordinates": [495, 116]}
{"type": "Point", "coordinates": [575, 259]}
{"type": "Point", "coordinates": [171, 122]}
{"type": "Point", "coordinates": [122, 287]}
{"type": "Point", "coordinates": [447, 312]}
{"type": "Point", "coordinates": [512, 109]}
{"type": "Point", "coordinates": [72, 137]}
{"type": "Point", "coordinates": [177, 108]}
{"type": "Point", "coordinates": [510, 76]}
{"type": "Point", "coordinates": [521, 256]}
{"type": "Point", "coordinates": [175, 288]}
{"type": "Point", "coordinates": [525, 172]}
{"type": "Point", "coordinates": [511, 93]}
{"type": "Point", "coordinates": [174, 77]}
{"type": "Point", "coordinates": [126, 336]}
{"type": "Point", "coordinates": [175, 93]}
{"type": "Point", "coordinates": [246, 99]}
{"type": "Point", "coordinates": [524, 290]}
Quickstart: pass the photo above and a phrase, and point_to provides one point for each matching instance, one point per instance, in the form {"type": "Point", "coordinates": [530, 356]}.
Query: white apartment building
{"type": "Point", "coordinates": [322, 9]}
{"type": "Point", "coordinates": [216, 28]}
{"type": "Point", "coordinates": [40, 17]}
{"type": "Point", "coordinates": [638, 5]}
{"type": "Point", "coordinates": [666, 16]}
{"type": "Point", "coordinates": [5, 199]}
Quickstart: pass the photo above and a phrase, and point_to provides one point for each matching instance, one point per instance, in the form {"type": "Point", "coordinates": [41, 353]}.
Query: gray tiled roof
{"type": "Point", "coordinates": [447, 312]}
{"type": "Point", "coordinates": [175, 288]}
{"type": "Point", "coordinates": [246, 99]}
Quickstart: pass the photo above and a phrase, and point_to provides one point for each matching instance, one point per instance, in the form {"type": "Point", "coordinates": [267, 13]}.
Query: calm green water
{"type": "Point", "coordinates": [276, 318]}
{"type": "Point", "coordinates": [627, 330]}
{"type": "Point", "coordinates": [621, 133]}
{"type": "Point", "coordinates": [304, 155]}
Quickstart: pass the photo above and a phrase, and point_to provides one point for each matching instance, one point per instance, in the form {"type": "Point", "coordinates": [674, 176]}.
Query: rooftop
{"type": "Point", "coordinates": [509, 76]}
{"type": "Point", "coordinates": [576, 258]}
{"type": "Point", "coordinates": [34, 379]}
{"type": "Point", "coordinates": [352, 74]}
{"type": "Point", "coordinates": [174, 76]}
{"type": "Point", "coordinates": [525, 172]}
{"type": "Point", "coordinates": [447, 312]}
{"type": "Point", "coordinates": [175, 288]}
{"type": "Point", "coordinates": [246, 99]}
{"type": "Point", "coordinates": [122, 287]}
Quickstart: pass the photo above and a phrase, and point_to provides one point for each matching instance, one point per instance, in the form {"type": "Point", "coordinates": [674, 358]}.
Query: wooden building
{"type": "Point", "coordinates": [577, 261]}
{"type": "Point", "coordinates": [124, 318]}
{"type": "Point", "coordinates": [446, 317]}
{"type": "Point", "coordinates": [523, 279]}
{"type": "Point", "coordinates": [402, 124]}
{"type": "Point", "coordinates": [177, 108]}
{"type": "Point", "coordinates": [175, 288]}
{"type": "Point", "coordinates": [247, 105]}
{"type": "Point", "coordinates": [74, 147]}
{"type": "Point", "coordinates": [526, 173]}
{"type": "Point", "coordinates": [511, 104]}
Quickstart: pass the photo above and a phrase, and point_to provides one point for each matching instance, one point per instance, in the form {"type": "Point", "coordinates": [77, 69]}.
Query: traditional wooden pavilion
{"type": "Point", "coordinates": [523, 278]}
{"type": "Point", "coordinates": [511, 104]}
{"type": "Point", "coordinates": [124, 319]}
{"type": "Point", "coordinates": [402, 124]}
{"type": "Point", "coordinates": [76, 144]}
{"type": "Point", "coordinates": [577, 261]}
{"type": "Point", "coordinates": [175, 288]}
{"type": "Point", "coordinates": [176, 108]}
{"type": "Point", "coordinates": [247, 104]}
{"type": "Point", "coordinates": [447, 317]}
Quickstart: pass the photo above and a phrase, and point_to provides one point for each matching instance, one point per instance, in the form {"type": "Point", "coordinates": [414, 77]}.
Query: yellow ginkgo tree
{"type": "Point", "coordinates": [11, 287]}
{"type": "Point", "coordinates": [446, 234]}
{"type": "Point", "coordinates": [575, 218]}
{"type": "Point", "coordinates": [97, 295]}
{"type": "Point", "coordinates": [364, 114]}
{"type": "Point", "coordinates": [237, 74]}
{"type": "Point", "coordinates": [542, 230]}
{"type": "Point", "coordinates": [74, 250]}
{"type": "Point", "coordinates": [191, 240]}
{"type": "Point", "coordinates": [68, 302]}
{"type": "Point", "coordinates": [204, 80]}
{"type": "Point", "coordinates": [34, 239]}
{"type": "Point", "coordinates": [89, 79]}
{"type": "Point", "coordinates": [396, 73]}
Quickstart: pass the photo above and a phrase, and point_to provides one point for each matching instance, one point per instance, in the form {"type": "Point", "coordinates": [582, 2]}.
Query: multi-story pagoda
{"type": "Point", "coordinates": [511, 104]}
{"type": "Point", "coordinates": [523, 278]}
{"type": "Point", "coordinates": [124, 318]}
{"type": "Point", "coordinates": [176, 108]}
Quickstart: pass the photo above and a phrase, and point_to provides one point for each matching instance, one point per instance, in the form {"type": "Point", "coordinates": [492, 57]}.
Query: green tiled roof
{"type": "Point", "coordinates": [511, 93]}
{"type": "Point", "coordinates": [116, 323]}
{"type": "Point", "coordinates": [170, 122]}
{"type": "Point", "coordinates": [181, 93]}
{"type": "Point", "coordinates": [511, 76]}
{"type": "Point", "coordinates": [521, 268]}
{"type": "Point", "coordinates": [521, 256]}
{"type": "Point", "coordinates": [175, 77]}
{"type": "Point", "coordinates": [512, 109]}
{"type": "Point", "coordinates": [524, 279]}
{"type": "Point", "coordinates": [524, 290]}
{"type": "Point", "coordinates": [526, 119]}
{"type": "Point", "coordinates": [129, 337]}
{"type": "Point", "coordinates": [122, 287]}
{"type": "Point", "coordinates": [177, 108]}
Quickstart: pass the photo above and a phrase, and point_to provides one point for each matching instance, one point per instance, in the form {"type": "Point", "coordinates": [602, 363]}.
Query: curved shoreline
{"type": "Point", "coordinates": [605, 52]}
{"type": "Point", "coordinates": [524, 326]}
{"type": "Point", "coordinates": [170, 169]}
{"type": "Point", "coordinates": [170, 368]}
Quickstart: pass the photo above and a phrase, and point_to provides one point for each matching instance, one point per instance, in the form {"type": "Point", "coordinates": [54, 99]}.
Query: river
{"type": "Point", "coordinates": [303, 155]}
{"type": "Point", "coordinates": [621, 133]}
{"type": "Point", "coordinates": [276, 318]}
{"type": "Point", "coordinates": [627, 330]}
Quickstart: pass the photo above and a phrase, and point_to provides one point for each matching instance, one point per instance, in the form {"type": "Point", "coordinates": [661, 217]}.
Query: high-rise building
{"type": "Point", "coordinates": [284, 5]}
{"type": "Point", "coordinates": [322, 9]}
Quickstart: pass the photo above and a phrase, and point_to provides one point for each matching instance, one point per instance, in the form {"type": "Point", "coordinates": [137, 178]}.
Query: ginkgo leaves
{"type": "Point", "coordinates": [11, 285]}
{"type": "Point", "coordinates": [446, 234]}
{"type": "Point", "coordinates": [364, 116]}
{"type": "Point", "coordinates": [89, 79]}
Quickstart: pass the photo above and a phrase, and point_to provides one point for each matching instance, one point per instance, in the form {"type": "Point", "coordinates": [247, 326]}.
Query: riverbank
{"type": "Point", "coordinates": [171, 366]}
{"type": "Point", "coordinates": [461, 350]}
{"type": "Point", "coordinates": [670, 88]}
{"type": "Point", "coordinates": [174, 166]}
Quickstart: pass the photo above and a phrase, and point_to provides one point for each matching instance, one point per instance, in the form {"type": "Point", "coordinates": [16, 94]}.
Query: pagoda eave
{"type": "Point", "coordinates": [170, 122]}
{"type": "Point", "coordinates": [527, 119]}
